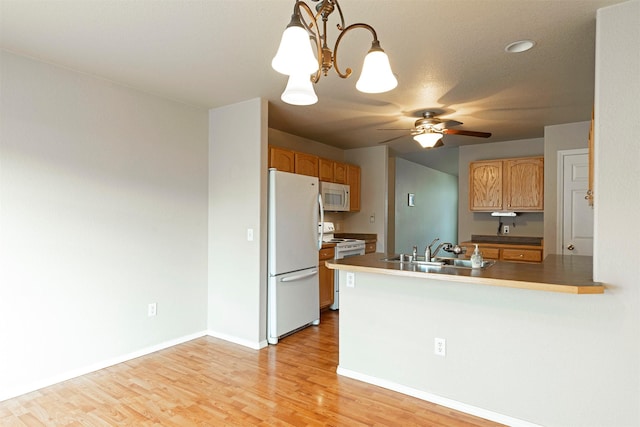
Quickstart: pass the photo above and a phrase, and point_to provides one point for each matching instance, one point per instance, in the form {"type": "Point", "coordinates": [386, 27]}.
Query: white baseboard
{"type": "Point", "coordinates": [439, 400]}
{"type": "Point", "coordinates": [256, 345]}
{"type": "Point", "coordinates": [28, 388]}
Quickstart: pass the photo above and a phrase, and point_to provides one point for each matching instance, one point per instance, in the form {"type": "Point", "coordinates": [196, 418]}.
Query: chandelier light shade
{"type": "Point", "coordinates": [304, 51]}
{"type": "Point", "coordinates": [427, 139]}
{"type": "Point", "coordinates": [295, 55]}
{"type": "Point", "coordinates": [376, 76]}
{"type": "Point", "coordinates": [299, 90]}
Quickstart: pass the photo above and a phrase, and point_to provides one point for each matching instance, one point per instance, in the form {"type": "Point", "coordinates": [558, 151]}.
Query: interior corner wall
{"type": "Point", "coordinates": [436, 206]}
{"type": "Point", "coordinates": [374, 180]}
{"type": "Point", "coordinates": [526, 224]}
{"type": "Point", "coordinates": [238, 202]}
{"type": "Point", "coordinates": [557, 138]}
{"type": "Point", "coordinates": [103, 210]}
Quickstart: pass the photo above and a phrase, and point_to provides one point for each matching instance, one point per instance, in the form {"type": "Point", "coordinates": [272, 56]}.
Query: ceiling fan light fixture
{"type": "Point", "coordinates": [376, 76]}
{"type": "Point", "coordinates": [427, 139]}
{"type": "Point", "coordinates": [299, 91]}
{"type": "Point", "coordinates": [294, 55]}
{"type": "Point", "coordinates": [519, 46]}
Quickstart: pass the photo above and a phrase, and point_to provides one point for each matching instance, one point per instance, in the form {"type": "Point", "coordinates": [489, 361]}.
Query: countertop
{"type": "Point", "coordinates": [557, 273]}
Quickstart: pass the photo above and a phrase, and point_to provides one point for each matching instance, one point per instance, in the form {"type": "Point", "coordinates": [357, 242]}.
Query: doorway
{"type": "Point", "coordinates": [575, 216]}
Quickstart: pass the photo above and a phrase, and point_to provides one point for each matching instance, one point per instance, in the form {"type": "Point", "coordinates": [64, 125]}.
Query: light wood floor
{"type": "Point", "coordinates": [210, 382]}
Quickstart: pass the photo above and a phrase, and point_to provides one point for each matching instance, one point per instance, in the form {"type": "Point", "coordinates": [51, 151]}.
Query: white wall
{"type": "Point", "coordinates": [237, 202]}
{"type": "Point", "coordinates": [545, 358]}
{"type": "Point", "coordinates": [374, 179]}
{"type": "Point", "coordinates": [103, 209]}
{"type": "Point", "coordinates": [558, 137]}
{"type": "Point", "coordinates": [525, 224]}
{"type": "Point", "coordinates": [282, 139]}
{"type": "Point", "coordinates": [435, 213]}
{"type": "Point", "coordinates": [617, 229]}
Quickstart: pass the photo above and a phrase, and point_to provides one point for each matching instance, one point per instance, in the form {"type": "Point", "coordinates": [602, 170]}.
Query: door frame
{"type": "Point", "coordinates": [560, 194]}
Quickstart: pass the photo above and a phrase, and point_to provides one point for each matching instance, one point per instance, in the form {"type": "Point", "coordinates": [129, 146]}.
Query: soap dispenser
{"type": "Point", "coordinates": [476, 258]}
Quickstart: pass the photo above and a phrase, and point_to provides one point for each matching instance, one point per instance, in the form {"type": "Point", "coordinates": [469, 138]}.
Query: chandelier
{"type": "Point", "coordinates": [295, 56]}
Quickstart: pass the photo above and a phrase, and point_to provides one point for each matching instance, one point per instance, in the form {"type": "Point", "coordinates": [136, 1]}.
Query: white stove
{"type": "Point", "coordinates": [344, 248]}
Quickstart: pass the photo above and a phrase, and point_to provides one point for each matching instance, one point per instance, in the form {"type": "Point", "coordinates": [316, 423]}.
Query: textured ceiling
{"type": "Point", "coordinates": [448, 55]}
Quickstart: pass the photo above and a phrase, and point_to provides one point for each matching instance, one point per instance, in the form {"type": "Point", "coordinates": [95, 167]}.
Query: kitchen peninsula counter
{"type": "Point", "coordinates": [557, 273]}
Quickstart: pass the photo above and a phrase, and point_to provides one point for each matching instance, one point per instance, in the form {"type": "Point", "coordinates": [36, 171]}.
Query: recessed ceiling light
{"type": "Point", "coordinates": [519, 46]}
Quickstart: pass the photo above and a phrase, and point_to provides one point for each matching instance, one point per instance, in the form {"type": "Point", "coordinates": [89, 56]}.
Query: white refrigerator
{"type": "Point", "coordinates": [293, 243]}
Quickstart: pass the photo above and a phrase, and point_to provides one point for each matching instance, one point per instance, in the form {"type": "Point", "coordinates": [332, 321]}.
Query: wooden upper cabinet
{"type": "Point", "coordinates": [306, 164]}
{"type": "Point", "coordinates": [340, 173]}
{"type": "Point", "coordinates": [325, 169]}
{"type": "Point", "coordinates": [281, 159]}
{"type": "Point", "coordinates": [353, 179]}
{"type": "Point", "coordinates": [507, 184]}
{"type": "Point", "coordinates": [485, 185]}
{"type": "Point", "coordinates": [524, 180]}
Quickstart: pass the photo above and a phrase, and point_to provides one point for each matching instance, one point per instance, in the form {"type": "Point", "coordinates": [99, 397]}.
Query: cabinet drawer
{"type": "Point", "coordinates": [529, 255]}
{"type": "Point", "coordinates": [370, 248]}
{"type": "Point", "coordinates": [487, 253]}
{"type": "Point", "coordinates": [326, 253]}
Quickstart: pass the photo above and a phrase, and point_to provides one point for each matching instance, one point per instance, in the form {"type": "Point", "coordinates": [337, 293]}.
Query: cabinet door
{"type": "Point", "coordinates": [340, 172]}
{"type": "Point", "coordinates": [281, 159]}
{"type": "Point", "coordinates": [353, 179]}
{"type": "Point", "coordinates": [325, 170]}
{"type": "Point", "coordinates": [325, 278]}
{"type": "Point", "coordinates": [485, 185]}
{"type": "Point", "coordinates": [306, 164]}
{"type": "Point", "coordinates": [524, 184]}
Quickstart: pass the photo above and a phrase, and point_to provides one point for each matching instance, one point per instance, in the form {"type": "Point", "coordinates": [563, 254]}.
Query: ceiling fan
{"type": "Point", "coordinates": [428, 130]}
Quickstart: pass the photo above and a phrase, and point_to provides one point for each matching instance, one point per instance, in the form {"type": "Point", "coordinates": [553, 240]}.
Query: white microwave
{"type": "Point", "coordinates": [335, 197]}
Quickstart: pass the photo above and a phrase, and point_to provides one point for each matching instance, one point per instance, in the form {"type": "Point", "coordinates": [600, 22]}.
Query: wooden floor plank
{"type": "Point", "coordinates": [211, 382]}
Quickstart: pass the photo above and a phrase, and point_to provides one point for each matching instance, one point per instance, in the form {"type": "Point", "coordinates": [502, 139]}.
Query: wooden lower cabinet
{"type": "Point", "coordinates": [326, 278]}
{"type": "Point", "coordinates": [515, 253]}
{"type": "Point", "coordinates": [370, 247]}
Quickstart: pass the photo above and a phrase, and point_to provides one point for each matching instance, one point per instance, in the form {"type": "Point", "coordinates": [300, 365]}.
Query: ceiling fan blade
{"type": "Point", "coordinates": [403, 129]}
{"type": "Point", "coordinates": [466, 133]}
{"type": "Point", "coordinates": [394, 138]}
{"type": "Point", "coordinates": [447, 124]}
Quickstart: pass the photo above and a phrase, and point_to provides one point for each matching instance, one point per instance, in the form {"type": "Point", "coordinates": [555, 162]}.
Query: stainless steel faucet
{"type": "Point", "coordinates": [427, 251]}
{"type": "Point", "coordinates": [446, 246]}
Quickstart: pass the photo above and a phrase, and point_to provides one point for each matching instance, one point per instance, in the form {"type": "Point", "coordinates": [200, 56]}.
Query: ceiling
{"type": "Point", "coordinates": [448, 56]}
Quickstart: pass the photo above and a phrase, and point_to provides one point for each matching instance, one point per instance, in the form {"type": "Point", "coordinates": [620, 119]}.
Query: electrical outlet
{"type": "Point", "coordinates": [505, 229]}
{"type": "Point", "coordinates": [351, 280]}
{"type": "Point", "coordinates": [440, 347]}
{"type": "Point", "coordinates": [152, 309]}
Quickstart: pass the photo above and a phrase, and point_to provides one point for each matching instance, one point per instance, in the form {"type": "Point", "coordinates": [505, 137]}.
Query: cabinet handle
{"type": "Point", "coordinates": [571, 247]}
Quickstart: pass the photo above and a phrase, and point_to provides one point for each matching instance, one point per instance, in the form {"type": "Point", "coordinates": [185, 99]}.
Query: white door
{"type": "Point", "coordinates": [577, 215]}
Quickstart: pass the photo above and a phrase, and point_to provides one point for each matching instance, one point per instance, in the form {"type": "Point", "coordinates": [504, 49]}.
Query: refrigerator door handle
{"type": "Point", "coordinates": [320, 234]}
{"type": "Point", "coordinates": [299, 276]}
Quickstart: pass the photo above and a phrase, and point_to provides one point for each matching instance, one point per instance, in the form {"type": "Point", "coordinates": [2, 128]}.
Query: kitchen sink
{"type": "Point", "coordinates": [437, 263]}
{"type": "Point", "coordinates": [462, 263]}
